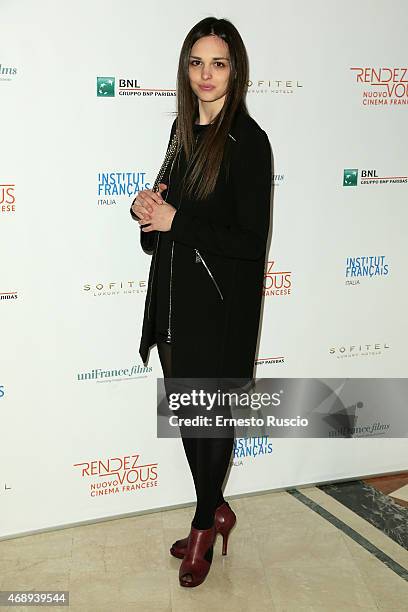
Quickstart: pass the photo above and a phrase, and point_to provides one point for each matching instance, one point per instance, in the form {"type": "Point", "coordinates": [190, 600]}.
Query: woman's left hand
{"type": "Point", "coordinates": [160, 217]}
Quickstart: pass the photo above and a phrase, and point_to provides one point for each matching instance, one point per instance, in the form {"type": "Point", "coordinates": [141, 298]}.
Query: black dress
{"type": "Point", "coordinates": [164, 255]}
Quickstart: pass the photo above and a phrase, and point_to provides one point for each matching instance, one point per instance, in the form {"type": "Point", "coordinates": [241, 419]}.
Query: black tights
{"type": "Point", "coordinates": [208, 459]}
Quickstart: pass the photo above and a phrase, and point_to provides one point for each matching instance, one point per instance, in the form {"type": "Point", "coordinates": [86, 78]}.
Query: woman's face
{"type": "Point", "coordinates": [209, 68]}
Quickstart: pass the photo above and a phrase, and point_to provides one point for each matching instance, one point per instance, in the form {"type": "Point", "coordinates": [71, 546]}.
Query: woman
{"type": "Point", "coordinates": [208, 238]}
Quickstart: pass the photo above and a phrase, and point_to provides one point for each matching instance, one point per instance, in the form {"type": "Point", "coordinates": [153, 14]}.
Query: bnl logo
{"type": "Point", "coordinates": [105, 87]}
{"type": "Point", "coordinates": [350, 176]}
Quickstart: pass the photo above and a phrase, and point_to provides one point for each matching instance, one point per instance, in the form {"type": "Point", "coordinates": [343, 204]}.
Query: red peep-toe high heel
{"type": "Point", "coordinates": [197, 560]}
{"type": "Point", "coordinates": [224, 520]}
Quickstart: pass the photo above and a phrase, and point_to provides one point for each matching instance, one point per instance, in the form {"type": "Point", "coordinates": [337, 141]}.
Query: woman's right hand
{"type": "Point", "coordinates": [142, 204]}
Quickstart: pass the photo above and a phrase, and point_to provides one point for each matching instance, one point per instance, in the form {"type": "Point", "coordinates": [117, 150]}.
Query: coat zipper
{"type": "Point", "coordinates": [170, 282]}
{"type": "Point", "coordinates": [157, 243]}
{"type": "Point", "coordinates": [200, 258]}
{"type": "Point", "coordinates": [154, 267]}
{"type": "Point", "coordinates": [171, 277]}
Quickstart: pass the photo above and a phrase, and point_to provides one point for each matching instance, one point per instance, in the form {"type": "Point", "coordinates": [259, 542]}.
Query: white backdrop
{"type": "Point", "coordinates": [73, 277]}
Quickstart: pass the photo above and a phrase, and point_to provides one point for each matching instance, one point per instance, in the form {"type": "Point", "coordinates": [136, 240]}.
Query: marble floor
{"type": "Point", "coordinates": [306, 549]}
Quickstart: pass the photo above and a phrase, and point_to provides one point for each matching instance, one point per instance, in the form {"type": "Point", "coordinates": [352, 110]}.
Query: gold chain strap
{"type": "Point", "coordinates": [169, 154]}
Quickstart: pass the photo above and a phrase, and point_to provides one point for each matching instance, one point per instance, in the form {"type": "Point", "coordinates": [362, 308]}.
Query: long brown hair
{"type": "Point", "coordinates": [205, 160]}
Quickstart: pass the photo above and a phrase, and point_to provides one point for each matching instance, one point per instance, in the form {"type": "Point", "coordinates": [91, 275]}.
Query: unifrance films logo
{"type": "Point", "coordinates": [7, 198]}
{"type": "Point", "coordinates": [117, 475]}
{"type": "Point", "coordinates": [114, 185]}
{"type": "Point", "coordinates": [382, 86]}
{"type": "Point", "coordinates": [106, 88]}
{"type": "Point", "coordinates": [353, 423]}
{"type": "Point", "coordinates": [368, 267]}
{"type": "Point", "coordinates": [276, 282]}
{"type": "Point", "coordinates": [250, 448]}
{"type": "Point", "coordinates": [115, 374]}
{"type": "Point", "coordinates": [370, 177]}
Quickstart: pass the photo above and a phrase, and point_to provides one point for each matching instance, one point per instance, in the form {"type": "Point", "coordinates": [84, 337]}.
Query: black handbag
{"type": "Point", "coordinates": [148, 239]}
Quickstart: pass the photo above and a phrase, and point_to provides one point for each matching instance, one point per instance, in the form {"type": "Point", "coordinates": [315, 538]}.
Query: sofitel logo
{"type": "Point", "coordinates": [114, 184]}
{"type": "Point", "coordinates": [118, 475]}
{"type": "Point", "coordinates": [276, 282]}
{"type": "Point", "coordinates": [369, 177]}
{"type": "Point", "coordinates": [358, 350]}
{"type": "Point", "coordinates": [250, 447]}
{"type": "Point", "coordinates": [7, 198]}
{"type": "Point", "coordinates": [105, 88]}
{"type": "Point", "coordinates": [383, 86]}
{"type": "Point", "coordinates": [367, 266]}
{"type": "Point", "coordinates": [116, 288]}
{"type": "Point", "coordinates": [274, 86]}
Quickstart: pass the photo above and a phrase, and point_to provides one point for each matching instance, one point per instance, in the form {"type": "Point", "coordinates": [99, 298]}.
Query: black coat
{"type": "Point", "coordinates": [216, 294]}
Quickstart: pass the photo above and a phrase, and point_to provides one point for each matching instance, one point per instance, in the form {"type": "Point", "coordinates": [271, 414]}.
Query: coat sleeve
{"type": "Point", "coordinates": [251, 181]}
